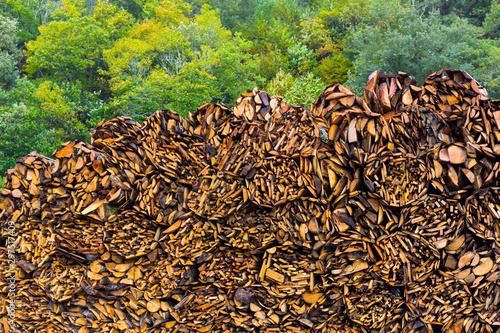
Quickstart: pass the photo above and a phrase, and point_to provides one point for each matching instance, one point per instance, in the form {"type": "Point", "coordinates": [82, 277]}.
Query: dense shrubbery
{"type": "Point", "coordinates": [65, 66]}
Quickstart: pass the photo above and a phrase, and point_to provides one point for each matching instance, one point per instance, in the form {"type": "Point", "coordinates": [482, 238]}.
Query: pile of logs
{"type": "Point", "coordinates": [379, 214]}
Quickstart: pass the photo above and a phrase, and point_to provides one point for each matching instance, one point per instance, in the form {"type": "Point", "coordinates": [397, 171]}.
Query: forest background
{"type": "Point", "coordinates": [67, 65]}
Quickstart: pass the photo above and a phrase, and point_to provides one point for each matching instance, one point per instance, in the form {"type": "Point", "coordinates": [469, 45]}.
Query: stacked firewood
{"type": "Point", "coordinates": [379, 214]}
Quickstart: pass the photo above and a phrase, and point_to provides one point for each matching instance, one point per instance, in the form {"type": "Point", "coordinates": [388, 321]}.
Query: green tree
{"type": "Point", "coordinates": [474, 11]}
{"type": "Point", "coordinates": [336, 67]}
{"type": "Point", "coordinates": [232, 13]}
{"type": "Point", "coordinates": [68, 50]}
{"type": "Point", "coordinates": [485, 66]}
{"type": "Point", "coordinates": [396, 38]}
{"type": "Point", "coordinates": [491, 23]}
{"type": "Point", "coordinates": [37, 118]}
{"type": "Point", "coordinates": [302, 90]}
{"type": "Point", "coordinates": [9, 53]}
{"type": "Point", "coordinates": [30, 14]}
{"type": "Point", "coordinates": [18, 135]}
{"type": "Point", "coordinates": [173, 61]}
{"type": "Point", "coordinates": [71, 49]}
{"type": "Point", "coordinates": [271, 61]}
{"type": "Point", "coordinates": [130, 6]}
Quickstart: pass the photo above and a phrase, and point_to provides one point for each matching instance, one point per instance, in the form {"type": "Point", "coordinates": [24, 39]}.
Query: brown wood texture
{"type": "Point", "coordinates": [378, 214]}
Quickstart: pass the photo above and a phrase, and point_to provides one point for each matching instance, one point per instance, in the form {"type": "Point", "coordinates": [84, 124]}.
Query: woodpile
{"type": "Point", "coordinates": [379, 214]}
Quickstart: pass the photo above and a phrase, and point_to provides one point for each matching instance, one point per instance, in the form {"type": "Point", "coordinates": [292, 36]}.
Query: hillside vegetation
{"type": "Point", "coordinates": [67, 65]}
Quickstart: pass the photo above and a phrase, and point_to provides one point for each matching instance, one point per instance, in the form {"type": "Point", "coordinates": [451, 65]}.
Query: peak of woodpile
{"type": "Point", "coordinates": [379, 214]}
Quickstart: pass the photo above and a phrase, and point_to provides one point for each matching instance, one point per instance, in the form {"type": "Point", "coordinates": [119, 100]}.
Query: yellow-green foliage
{"type": "Point", "coordinates": [173, 61]}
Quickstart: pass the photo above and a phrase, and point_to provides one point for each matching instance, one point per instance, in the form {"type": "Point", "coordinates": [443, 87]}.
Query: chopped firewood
{"type": "Point", "coordinates": [366, 214]}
